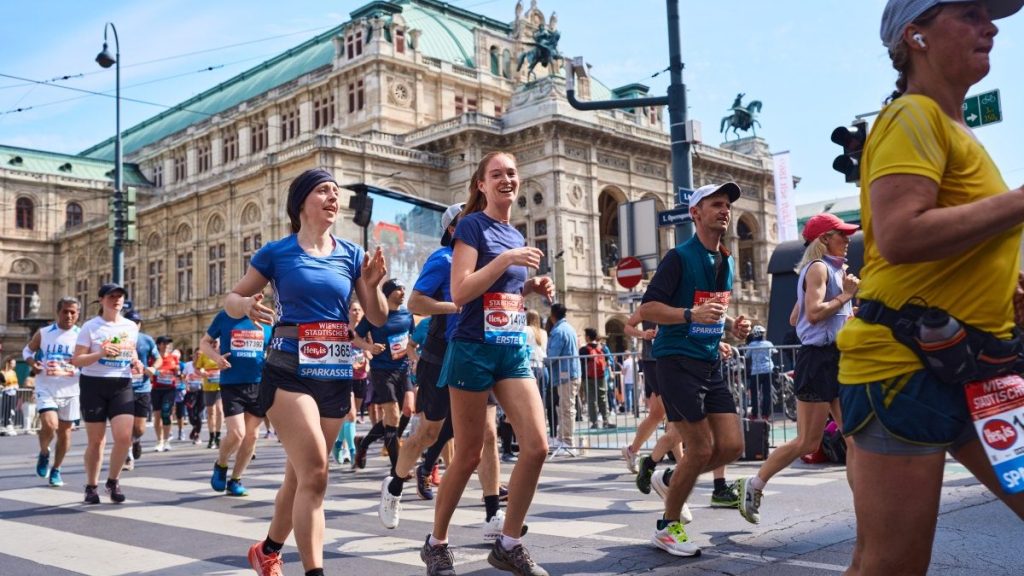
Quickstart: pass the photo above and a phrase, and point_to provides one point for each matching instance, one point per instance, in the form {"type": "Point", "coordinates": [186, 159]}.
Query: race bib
{"type": "Point", "coordinates": [123, 359]}
{"type": "Point", "coordinates": [165, 378]}
{"type": "Point", "coordinates": [398, 344]}
{"type": "Point", "coordinates": [504, 319]}
{"type": "Point", "coordinates": [997, 407]}
{"type": "Point", "coordinates": [709, 331]}
{"type": "Point", "coordinates": [246, 343]}
{"type": "Point", "coordinates": [213, 376]}
{"type": "Point", "coordinates": [58, 366]}
{"type": "Point", "coordinates": [325, 351]}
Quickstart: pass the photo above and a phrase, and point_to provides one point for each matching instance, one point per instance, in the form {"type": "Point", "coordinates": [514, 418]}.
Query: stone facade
{"type": "Point", "coordinates": [383, 111]}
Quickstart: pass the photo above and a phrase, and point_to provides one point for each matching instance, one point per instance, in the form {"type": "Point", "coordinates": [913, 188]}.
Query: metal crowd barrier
{"type": "Point", "coordinates": [767, 395]}
{"type": "Point", "coordinates": [18, 412]}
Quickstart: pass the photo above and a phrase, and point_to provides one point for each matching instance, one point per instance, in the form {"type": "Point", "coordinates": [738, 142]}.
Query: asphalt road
{"type": "Point", "coordinates": [587, 519]}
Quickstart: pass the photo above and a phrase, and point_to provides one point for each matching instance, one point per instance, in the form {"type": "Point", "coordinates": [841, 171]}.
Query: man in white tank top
{"type": "Point", "coordinates": [49, 351]}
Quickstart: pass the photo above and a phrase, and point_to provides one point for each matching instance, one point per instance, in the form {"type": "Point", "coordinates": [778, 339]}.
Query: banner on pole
{"type": "Point", "coordinates": [785, 207]}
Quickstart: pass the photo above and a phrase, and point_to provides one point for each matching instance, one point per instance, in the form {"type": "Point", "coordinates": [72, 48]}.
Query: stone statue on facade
{"type": "Point", "coordinates": [742, 118]}
{"type": "Point", "coordinates": [544, 51]}
{"type": "Point", "coordinates": [33, 305]}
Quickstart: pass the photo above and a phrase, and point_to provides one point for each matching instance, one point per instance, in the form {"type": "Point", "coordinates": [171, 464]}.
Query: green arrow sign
{"type": "Point", "coordinates": [983, 109]}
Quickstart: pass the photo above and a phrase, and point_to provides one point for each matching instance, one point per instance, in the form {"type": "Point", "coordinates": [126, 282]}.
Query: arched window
{"type": "Point", "coordinates": [608, 214]}
{"type": "Point", "coordinates": [72, 215]}
{"type": "Point", "coordinates": [24, 214]}
{"type": "Point", "coordinates": [747, 261]}
{"type": "Point", "coordinates": [495, 61]}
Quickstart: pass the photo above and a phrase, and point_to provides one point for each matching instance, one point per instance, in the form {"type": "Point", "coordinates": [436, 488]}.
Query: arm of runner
{"type": "Point", "coordinates": [245, 299]}
{"type": "Point", "coordinates": [375, 305]}
{"type": "Point", "coordinates": [423, 305]}
{"type": "Point", "coordinates": [83, 358]}
{"type": "Point", "coordinates": [469, 283]}
{"type": "Point", "coordinates": [208, 346]}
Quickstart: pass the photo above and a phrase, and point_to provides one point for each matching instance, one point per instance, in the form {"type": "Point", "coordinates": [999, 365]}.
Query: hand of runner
{"type": "Point", "coordinates": [708, 313]}
{"type": "Point", "coordinates": [544, 286]}
{"type": "Point", "coordinates": [222, 361]}
{"type": "Point", "coordinates": [374, 269]}
{"type": "Point", "coordinates": [259, 313]}
{"type": "Point", "coordinates": [526, 256]}
{"type": "Point", "coordinates": [741, 327]}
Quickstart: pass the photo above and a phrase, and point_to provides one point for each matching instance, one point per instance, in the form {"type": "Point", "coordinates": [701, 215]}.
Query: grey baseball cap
{"type": "Point", "coordinates": [450, 215]}
{"type": "Point", "coordinates": [730, 188]}
{"type": "Point", "coordinates": [900, 13]}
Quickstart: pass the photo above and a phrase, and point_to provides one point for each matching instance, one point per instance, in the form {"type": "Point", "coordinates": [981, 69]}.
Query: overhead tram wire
{"type": "Point", "coordinates": [153, 81]}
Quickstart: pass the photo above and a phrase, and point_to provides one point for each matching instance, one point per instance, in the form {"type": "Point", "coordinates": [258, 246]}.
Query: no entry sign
{"type": "Point", "coordinates": [628, 272]}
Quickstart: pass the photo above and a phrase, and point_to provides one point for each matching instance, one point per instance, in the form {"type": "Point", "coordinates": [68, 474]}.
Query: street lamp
{"type": "Point", "coordinates": [105, 60]}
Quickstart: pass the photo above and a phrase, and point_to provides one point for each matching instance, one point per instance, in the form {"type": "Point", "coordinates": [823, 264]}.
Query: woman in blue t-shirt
{"type": "Point", "coordinates": [306, 385]}
{"type": "Point", "coordinates": [489, 352]}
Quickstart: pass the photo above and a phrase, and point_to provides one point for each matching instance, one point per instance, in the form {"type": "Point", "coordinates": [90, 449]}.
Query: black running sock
{"type": "Point", "coordinates": [315, 572]}
{"type": "Point", "coordinates": [720, 484]}
{"type": "Point", "coordinates": [395, 486]}
{"type": "Point", "coordinates": [431, 455]}
{"type": "Point", "coordinates": [649, 464]}
{"type": "Point", "coordinates": [271, 547]}
{"type": "Point", "coordinates": [491, 507]}
{"type": "Point", "coordinates": [402, 423]}
{"type": "Point", "coordinates": [391, 442]}
{"type": "Point", "coordinates": [211, 436]}
{"type": "Point", "coordinates": [217, 436]}
{"type": "Point", "coordinates": [375, 433]}
{"type": "Point", "coordinates": [662, 523]}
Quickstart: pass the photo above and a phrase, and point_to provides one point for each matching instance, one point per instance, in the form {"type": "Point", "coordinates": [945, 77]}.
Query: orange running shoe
{"type": "Point", "coordinates": [265, 564]}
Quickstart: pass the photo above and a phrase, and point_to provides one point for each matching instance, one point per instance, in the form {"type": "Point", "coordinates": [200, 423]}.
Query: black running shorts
{"type": "Point", "coordinates": [104, 398]}
{"type": "Point", "coordinates": [241, 398]}
{"type": "Point", "coordinates": [691, 389]}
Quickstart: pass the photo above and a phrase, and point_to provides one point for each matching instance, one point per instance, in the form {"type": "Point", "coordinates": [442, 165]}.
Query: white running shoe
{"type": "Point", "coordinates": [390, 506]}
{"type": "Point", "coordinates": [660, 484]}
{"type": "Point", "coordinates": [631, 458]}
{"type": "Point", "coordinates": [159, 447]}
{"type": "Point", "coordinates": [673, 539]}
{"type": "Point", "coordinates": [750, 501]}
{"type": "Point", "coordinates": [492, 528]}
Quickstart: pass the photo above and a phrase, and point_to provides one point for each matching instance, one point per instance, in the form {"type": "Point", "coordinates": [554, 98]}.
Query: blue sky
{"type": "Point", "coordinates": [814, 64]}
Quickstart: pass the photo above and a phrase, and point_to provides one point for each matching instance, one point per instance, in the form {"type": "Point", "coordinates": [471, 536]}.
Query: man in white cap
{"type": "Point", "coordinates": [689, 297]}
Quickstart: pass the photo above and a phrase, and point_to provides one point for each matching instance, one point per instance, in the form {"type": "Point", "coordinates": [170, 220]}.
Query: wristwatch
{"type": "Point", "coordinates": [688, 315]}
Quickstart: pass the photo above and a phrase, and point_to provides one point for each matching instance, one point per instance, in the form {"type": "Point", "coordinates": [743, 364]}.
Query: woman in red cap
{"type": "Point", "coordinates": [941, 230]}
{"type": "Point", "coordinates": [823, 305]}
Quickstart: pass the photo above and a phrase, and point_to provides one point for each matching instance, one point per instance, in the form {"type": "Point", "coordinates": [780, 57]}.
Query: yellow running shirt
{"type": "Point", "coordinates": [913, 136]}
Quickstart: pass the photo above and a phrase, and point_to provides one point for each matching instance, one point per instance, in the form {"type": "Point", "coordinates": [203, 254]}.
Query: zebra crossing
{"type": "Point", "coordinates": [173, 523]}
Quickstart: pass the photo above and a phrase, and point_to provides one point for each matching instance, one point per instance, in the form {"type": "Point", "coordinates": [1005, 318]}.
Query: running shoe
{"type": "Point", "coordinates": [167, 446]}
{"type": "Point", "coordinates": [493, 527]}
{"type": "Point", "coordinates": [509, 458]}
{"type": "Point", "coordinates": [390, 507]}
{"type": "Point", "coordinates": [439, 559]}
{"type": "Point", "coordinates": [360, 461]}
{"type": "Point", "coordinates": [159, 447]}
{"type": "Point", "coordinates": [423, 487]}
{"type": "Point", "coordinates": [516, 560]}
{"type": "Point", "coordinates": [435, 476]}
{"type": "Point", "coordinates": [219, 479]}
{"type": "Point", "coordinates": [643, 475]}
{"type": "Point", "coordinates": [209, 444]}
{"type": "Point", "coordinates": [42, 464]}
{"type": "Point", "coordinates": [129, 463]}
{"type": "Point", "coordinates": [114, 490]}
{"type": "Point", "coordinates": [235, 488]}
{"type": "Point", "coordinates": [727, 497]}
{"type": "Point", "coordinates": [502, 493]}
{"type": "Point", "coordinates": [673, 539]}
{"type": "Point", "coordinates": [55, 478]}
{"type": "Point", "coordinates": [630, 457]}
{"type": "Point", "coordinates": [137, 449]}
{"type": "Point", "coordinates": [750, 501]}
{"type": "Point", "coordinates": [265, 564]}
{"type": "Point", "coordinates": [91, 495]}
{"type": "Point", "coordinates": [660, 482]}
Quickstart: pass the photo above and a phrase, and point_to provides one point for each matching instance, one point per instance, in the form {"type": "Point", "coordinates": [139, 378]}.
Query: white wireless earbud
{"type": "Point", "coordinates": [919, 39]}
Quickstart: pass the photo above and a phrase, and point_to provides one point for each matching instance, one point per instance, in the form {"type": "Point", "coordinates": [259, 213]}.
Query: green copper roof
{"type": "Point", "coordinates": [53, 163]}
{"type": "Point", "coordinates": [447, 34]}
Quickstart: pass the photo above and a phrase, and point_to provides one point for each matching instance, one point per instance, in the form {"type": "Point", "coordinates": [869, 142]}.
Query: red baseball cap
{"type": "Point", "coordinates": [822, 223]}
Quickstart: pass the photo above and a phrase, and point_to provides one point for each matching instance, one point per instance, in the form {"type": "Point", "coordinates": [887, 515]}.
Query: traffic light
{"type": "Point", "coordinates": [852, 140]}
{"type": "Point", "coordinates": [123, 217]}
{"type": "Point", "coordinates": [362, 205]}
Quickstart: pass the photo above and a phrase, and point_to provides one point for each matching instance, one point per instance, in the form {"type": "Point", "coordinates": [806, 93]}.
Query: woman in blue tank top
{"type": "Point", "coordinates": [489, 352]}
{"type": "Point", "coordinates": [307, 376]}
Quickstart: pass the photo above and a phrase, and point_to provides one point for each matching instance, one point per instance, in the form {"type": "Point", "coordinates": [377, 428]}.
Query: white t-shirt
{"type": "Point", "coordinates": [59, 378]}
{"type": "Point", "coordinates": [98, 331]}
{"type": "Point", "coordinates": [193, 380]}
{"type": "Point", "coordinates": [627, 370]}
